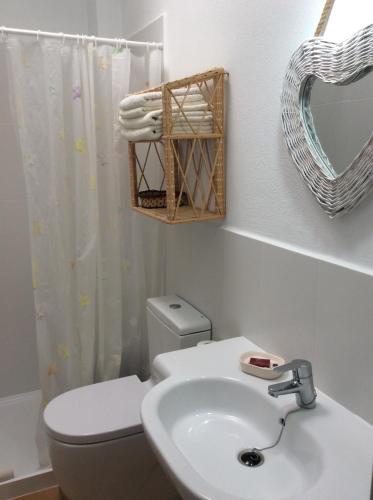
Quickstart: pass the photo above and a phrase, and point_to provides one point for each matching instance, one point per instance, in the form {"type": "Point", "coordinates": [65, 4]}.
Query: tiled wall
{"type": "Point", "coordinates": [288, 303]}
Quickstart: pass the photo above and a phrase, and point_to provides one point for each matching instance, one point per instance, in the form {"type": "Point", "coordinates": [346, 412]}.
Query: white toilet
{"type": "Point", "coordinates": [97, 445]}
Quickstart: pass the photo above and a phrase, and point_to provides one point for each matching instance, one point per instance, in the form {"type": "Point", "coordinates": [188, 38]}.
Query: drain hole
{"type": "Point", "coordinates": [251, 458]}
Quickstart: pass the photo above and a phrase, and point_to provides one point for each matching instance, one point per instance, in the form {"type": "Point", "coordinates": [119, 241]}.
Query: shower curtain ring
{"type": "Point", "coordinates": [38, 35]}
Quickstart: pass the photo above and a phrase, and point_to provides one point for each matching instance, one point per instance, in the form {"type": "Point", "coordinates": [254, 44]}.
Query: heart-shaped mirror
{"type": "Point", "coordinates": [327, 117]}
{"type": "Point", "coordinates": [342, 120]}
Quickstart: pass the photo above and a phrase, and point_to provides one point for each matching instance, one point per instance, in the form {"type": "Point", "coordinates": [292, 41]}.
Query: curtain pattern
{"type": "Point", "coordinates": [88, 256]}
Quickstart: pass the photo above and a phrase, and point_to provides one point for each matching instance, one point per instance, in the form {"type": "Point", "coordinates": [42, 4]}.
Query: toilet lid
{"type": "Point", "coordinates": [97, 413]}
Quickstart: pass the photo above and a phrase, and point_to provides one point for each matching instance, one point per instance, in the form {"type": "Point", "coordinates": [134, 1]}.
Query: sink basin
{"type": "Point", "coordinates": [206, 422]}
{"type": "Point", "coordinates": [206, 412]}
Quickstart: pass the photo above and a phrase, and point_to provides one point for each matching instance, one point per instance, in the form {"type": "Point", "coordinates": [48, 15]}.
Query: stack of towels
{"type": "Point", "coordinates": [141, 118]}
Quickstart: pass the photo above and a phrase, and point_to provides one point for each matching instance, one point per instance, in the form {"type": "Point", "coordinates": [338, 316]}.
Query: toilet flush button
{"type": "Point", "coordinates": [175, 306]}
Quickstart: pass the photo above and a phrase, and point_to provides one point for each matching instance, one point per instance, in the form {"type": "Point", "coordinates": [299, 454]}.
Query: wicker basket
{"type": "Point", "coordinates": [154, 198]}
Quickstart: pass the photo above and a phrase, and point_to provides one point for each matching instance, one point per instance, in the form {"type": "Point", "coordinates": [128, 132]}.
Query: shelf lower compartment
{"type": "Point", "coordinates": [184, 214]}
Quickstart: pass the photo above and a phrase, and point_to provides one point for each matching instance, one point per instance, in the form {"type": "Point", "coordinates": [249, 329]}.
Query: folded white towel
{"type": "Point", "coordinates": [177, 92]}
{"type": "Point", "coordinates": [155, 132]}
{"type": "Point", "coordinates": [142, 134]}
{"type": "Point", "coordinates": [192, 114]}
{"type": "Point", "coordinates": [142, 111]}
{"type": "Point", "coordinates": [158, 103]}
{"type": "Point", "coordinates": [153, 118]}
{"type": "Point", "coordinates": [136, 100]}
{"type": "Point", "coordinates": [140, 100]}
{"type": "Point", "coordinates": [197, 128]}
{"type": "Point", "coordinates": [186, 118]}
{"type": "Point", "coordinates": [144, 121]}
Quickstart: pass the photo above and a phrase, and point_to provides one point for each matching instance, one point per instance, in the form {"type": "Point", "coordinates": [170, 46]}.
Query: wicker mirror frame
{"type": "Point", "coordinates": [339, 64]}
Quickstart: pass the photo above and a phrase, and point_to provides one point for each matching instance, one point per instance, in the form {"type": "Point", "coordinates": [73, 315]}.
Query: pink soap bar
{"type": "Point", "coordinates": [262, 362]}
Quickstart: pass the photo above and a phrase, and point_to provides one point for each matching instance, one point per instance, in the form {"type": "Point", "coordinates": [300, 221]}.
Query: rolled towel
{"type": "Point", "coordinates": [142, 110]}
{"type": "Point", "coordinates": [154, 117]}
{"type": "Point", "coordinates": [140, 100]}
{"type": "Point", "coordinates": [176, 92]}
{"type": "Point", "coordinates": [142, 134]}
{"type": "Point", "coordinates": [153, 104]}
{"type": "Point", "coordinates": [137, 100]}
{"type": "Point", "coordinates": [6, 475]}
{"type": "Point", "coordinates": [148, 120]}
{"type": "Point", "coordinates": [203, 112]}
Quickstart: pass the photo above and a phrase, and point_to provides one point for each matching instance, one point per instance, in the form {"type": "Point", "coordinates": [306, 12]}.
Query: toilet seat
{"type": "Point", "coordinates": [97, 413]}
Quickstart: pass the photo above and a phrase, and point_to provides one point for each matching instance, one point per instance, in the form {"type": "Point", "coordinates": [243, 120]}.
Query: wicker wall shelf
{"type": "Point", "coordinates": [187, 169]}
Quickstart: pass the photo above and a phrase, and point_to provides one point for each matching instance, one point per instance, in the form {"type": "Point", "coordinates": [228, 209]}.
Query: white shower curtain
{"type": "Point", "coordinates": [88, 262]}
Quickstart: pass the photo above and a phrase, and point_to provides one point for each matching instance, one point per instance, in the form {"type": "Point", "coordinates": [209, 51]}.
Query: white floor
{"type": "Point", "coordinates": [18, 420]}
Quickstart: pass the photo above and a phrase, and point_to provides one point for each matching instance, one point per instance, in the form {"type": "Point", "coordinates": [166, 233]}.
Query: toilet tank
{"type": "Point", "coordinates": [174, 324]}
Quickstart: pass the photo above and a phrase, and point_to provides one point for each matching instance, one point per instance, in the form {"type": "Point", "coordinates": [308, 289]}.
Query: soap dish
{"type": "Point", "coordinates": [261, 371]}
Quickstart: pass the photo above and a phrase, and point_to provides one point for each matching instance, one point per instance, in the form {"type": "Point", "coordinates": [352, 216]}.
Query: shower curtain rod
{"type": "Point", "coordinates": [82, 38]}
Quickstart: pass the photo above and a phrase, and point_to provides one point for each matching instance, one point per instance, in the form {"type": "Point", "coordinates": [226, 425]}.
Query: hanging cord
{"type": "Point", "coordinates": [320, 30]}
{"type": "Point", "coordinates": [282, 422]}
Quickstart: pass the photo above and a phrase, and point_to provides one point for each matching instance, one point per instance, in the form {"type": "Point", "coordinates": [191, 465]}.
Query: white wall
{"type": "Point", "coordinates": [18, 357]}
{"type": "Point", "coordinates": [279, 271]}
{"type": "Point", "coordinates": [50, 15]}
{"type": "Point", "coordinates": [254, 41]}
{"type": "Point", "coordinates": [347, 18]}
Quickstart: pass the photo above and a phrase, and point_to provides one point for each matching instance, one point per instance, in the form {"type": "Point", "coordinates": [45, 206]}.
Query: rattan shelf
{"type": "Point", "coordinates": [188, 167]}
{"type": "Point", "coordinates": [185, 214]}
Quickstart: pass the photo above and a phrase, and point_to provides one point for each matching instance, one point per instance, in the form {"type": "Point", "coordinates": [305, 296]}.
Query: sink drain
{"type": "Point", "coordinates": [251, 458]}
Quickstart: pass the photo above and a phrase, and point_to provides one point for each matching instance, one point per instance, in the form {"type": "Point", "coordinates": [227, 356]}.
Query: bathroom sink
{"type": "Point", "coordinates": [199, 425]}
{"type": "Point", "coordinates": [203, 424]}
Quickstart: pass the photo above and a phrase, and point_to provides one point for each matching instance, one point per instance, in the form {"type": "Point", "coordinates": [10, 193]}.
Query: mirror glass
{"type": "Point", "coordinates": [339, 120]}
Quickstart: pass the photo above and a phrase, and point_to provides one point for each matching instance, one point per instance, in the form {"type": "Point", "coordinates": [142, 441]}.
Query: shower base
{"type": "Point", "coordinates": [18, 451]}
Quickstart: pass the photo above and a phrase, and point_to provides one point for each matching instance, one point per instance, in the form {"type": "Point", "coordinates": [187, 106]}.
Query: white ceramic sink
{"type": "Point", "coordinates": [204, 423]}
{"type": "Point", "coordinates": [198, 423]}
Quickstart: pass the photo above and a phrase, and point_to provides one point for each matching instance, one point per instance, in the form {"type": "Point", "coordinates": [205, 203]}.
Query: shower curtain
{"type": "Point", "coordinates": [91, 270]}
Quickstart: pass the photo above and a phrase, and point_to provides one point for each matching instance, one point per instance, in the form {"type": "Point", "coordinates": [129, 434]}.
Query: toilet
{"type": "Point", "coordinates": [96, 441]}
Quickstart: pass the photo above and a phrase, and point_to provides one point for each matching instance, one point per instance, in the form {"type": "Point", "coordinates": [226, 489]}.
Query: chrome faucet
{"type": "Point", "coordinates": [301, 384]}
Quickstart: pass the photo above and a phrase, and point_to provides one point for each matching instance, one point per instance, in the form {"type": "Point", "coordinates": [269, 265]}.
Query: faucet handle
{"type": "Point", "coordinates": [302, 368]}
